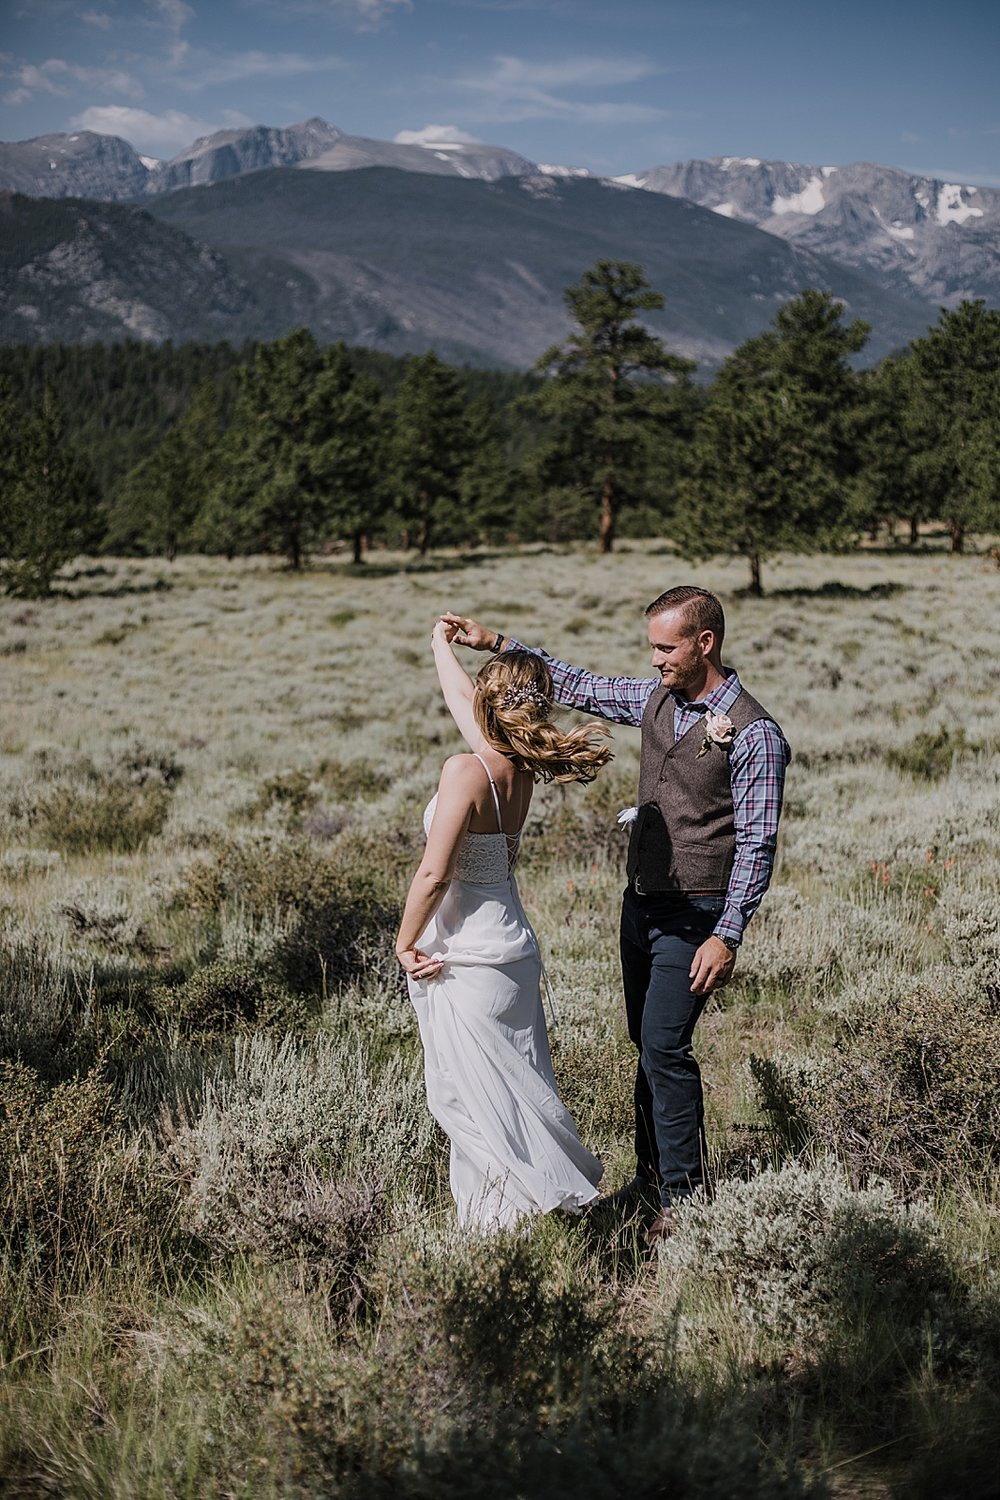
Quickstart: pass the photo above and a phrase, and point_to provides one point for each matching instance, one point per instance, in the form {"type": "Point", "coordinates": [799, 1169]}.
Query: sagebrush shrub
{"type": "Point", "coordinates": [104, 916]}
{"type": "Point", "coordinates": [352, 781]}
{"type": "Point", "coordinates": [420, 1409]}
{"type": "Point", "coordinates": [117, 805]}
{"type": "Point", "coordinates": [332, 919]}
{"type": "Point", "coordinates": [224, 996]}
{"type": "Point", "coordinates": [293, 793]}
{"type": "Point", "coordinates": [291, 1156]}
{"type": "Point", "coordinates": [69, 1183]}
{"type": "Point", "coordinates": [102, 814]}
{"type": "Point", "coordinates": [930, 754]}
{"type": "Point", "coordinates": [47, 1017]}
{"type": "Point", "coordinates": [911, 1090]}
{"type": "Point", "coordinates": [806, 1256]}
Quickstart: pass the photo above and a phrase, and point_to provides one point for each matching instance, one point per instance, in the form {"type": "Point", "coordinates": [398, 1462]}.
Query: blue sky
{"type": "Point", "coordinates": [613, 85]}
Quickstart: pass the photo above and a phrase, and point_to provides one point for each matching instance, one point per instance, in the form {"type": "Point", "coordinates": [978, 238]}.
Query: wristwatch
{"type": "Point", "coordinates": [731, 943]}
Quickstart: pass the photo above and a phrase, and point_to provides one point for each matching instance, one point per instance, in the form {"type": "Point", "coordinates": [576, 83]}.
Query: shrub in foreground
{"type": "Point", "coordinates": [805, 1256]}
{"type": "Point", "coordinates": [911, 1092]}
{"type": "Point", "coordinates": [291, 1156]}
{"type": "Point", "coordinates": [224, 996]}
{"type": "Point", "coordinates": [332, 920]}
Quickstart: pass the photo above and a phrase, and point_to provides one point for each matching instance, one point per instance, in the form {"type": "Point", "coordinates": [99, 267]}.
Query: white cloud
{"type": "Point", "coordinates": [55, 75]}
{"type": "Point", "coordinates": [370, 13]}
{"type": "Point", "coordinates": [156, 135]}
{"type": "Point", "coordinates": [430, 135]}
{"type": "Point", "coordinates": [238, 65]}
{"type": "Point", "coordinates": [517, 90]}
{"type": "Point", "coordinates": [174, 15]}
{"type": "Point", "coordinates": [99, 18]}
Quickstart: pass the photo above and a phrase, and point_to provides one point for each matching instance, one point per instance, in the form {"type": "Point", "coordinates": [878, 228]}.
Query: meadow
{"type": "Point", "coordinates": [228, 1264]}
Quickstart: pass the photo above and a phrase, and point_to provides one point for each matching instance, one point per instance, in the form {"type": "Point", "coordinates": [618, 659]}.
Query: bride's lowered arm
{"type": "Point", "coordinates": [456, 685]}
{"type": "Point", "coordinates": [452, 812]}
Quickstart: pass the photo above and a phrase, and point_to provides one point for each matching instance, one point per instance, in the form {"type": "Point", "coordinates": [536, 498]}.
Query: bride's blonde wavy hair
{"type": "Point", "coordinates": [513, 706]}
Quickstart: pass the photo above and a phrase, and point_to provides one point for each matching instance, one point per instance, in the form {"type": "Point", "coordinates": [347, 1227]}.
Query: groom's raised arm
{"type": "Point", "coordinates": [621, 699]}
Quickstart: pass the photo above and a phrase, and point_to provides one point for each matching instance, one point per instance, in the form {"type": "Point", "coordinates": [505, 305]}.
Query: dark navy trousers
{"type": "Point", "coordinates": [660, 935]}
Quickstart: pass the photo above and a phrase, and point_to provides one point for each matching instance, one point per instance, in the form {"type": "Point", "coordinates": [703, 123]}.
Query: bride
{"type": "Point", "coordinates": [471, 958]}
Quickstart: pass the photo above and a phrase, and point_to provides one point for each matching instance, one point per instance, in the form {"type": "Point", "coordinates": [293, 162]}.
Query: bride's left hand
{"type": "Point", "coordinates": [419, 965]}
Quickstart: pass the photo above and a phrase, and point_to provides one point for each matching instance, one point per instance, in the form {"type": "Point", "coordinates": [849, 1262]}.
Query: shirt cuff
{"type": "Point", "coordinates": [730, 925]}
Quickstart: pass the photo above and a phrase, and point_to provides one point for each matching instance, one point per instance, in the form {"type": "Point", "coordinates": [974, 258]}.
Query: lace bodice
{"type": "Point", "coordinates": [483, 858]}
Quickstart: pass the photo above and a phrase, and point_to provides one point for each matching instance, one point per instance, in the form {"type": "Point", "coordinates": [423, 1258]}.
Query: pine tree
{"type": "Point", "coordinates": [429, 449]}
{"type": "Point", "coordinates": [953, 419]}
{"type": "Point", "coordinates": [888, 486]}
{"type": "Point", "coordinates": [776, 448]}
{"type": "Point", "coordinates": [355, 459]}
{"type": "Point", "coordinates": [487, 482]}
{"type": "Point", "coordinates": [277, 489]}
{"type": "Point", "coordinates": [159, 501]}
{"type": "Point", "coordinates": [49, 509]}
{"type": "Point", "coordinates": [605, 397]}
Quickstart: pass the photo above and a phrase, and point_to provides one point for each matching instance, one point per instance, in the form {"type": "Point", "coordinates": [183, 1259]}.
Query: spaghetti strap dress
{"type": "Point", "coordinates": [487, 1065]}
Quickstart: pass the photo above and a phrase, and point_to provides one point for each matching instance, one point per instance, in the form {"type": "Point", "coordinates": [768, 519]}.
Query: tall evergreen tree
{"type": "Point", "coordinates": [487, 482]}
{"type": "Point", "coordinates": [355, 460]}
{"type": "Point", "coordinates": [278, 489]}
{"type": "Point", "coordinates": [605, 398]}
{"type": "Point", "coordinates": [49, 505]}
{"type": "Point", "coordinates": [953, 419]}
{"type": "Point", "coordinates": [888, 486]}
{"type": "Point", "coordinates": [429, 448]}
{"type": "Point", "coordinates": [158, 503]}
{"type": "Point", "coordinates": [776, 448]}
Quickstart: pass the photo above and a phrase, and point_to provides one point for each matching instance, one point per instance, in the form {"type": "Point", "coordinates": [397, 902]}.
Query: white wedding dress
{"type": "Point", "coordinates": [490, 1085]}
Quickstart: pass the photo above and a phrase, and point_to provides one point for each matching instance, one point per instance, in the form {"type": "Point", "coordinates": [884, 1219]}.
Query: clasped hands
{"type": "Point", "coordinates": [466, 632]}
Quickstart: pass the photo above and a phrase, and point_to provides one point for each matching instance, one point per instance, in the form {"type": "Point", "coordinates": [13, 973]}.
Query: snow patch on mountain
{"type": "Point", "coordinates": [629, 180]}
{"type": "Point", "coordinates": [740, 161]}
{"type": "Point", "coordinates": [727, 210]}
{"type": "Point", "coordinates": [551, 170]}
{"type": "Point", "coordinates": [951, 209]}
{"type": "Point", "coordinates": [897, 228]}
{"type": "Point", "coordinates": [809, 201]}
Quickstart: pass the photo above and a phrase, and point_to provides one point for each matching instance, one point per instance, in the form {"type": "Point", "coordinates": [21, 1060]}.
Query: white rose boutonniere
{"type": "Point", "coordinates": [719, 731]}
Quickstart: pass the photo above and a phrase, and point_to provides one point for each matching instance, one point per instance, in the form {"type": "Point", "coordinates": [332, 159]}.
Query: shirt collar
{"type": "Point", "coordinates": [718, 701]}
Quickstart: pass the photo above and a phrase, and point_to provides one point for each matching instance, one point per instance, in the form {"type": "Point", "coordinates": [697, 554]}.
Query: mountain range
{"type": "Point", "coordinates": [460, 246]}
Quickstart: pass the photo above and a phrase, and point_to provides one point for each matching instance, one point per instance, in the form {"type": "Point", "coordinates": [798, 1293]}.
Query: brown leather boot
{"type": "Point", "coordinates": [662, 1227]}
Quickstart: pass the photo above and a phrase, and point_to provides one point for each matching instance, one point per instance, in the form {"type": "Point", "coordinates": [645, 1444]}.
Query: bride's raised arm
{"type": "Point", "coordinates": [456, 685]}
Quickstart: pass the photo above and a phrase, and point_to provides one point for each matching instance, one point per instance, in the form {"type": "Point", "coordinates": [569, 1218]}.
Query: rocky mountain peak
{"type": "Point", "coordinates": [943, 238]}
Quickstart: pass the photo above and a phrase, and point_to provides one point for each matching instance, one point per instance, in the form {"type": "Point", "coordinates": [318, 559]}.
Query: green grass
{"type": "Point", "coordinates": [228, 1264]}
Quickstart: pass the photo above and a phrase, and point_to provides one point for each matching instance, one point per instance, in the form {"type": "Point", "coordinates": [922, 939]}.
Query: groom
{"type": "Point", "coordinates": [700, 857]}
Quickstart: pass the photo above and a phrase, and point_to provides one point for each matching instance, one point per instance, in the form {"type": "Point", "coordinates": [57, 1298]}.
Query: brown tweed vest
{"type": "Point", "coordinates": [684, 837]}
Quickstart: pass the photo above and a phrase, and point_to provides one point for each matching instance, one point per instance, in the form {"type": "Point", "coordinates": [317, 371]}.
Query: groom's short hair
{"type": "Point", "coordinates": [702, 610]}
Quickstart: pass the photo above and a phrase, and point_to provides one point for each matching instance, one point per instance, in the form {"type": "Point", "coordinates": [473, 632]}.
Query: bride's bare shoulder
{"type": "Point", "coordinates": [461, 769]}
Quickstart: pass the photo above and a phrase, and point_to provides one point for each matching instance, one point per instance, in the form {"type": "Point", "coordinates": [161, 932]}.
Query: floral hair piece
{"type": "Point", "coordinates": [515, 696]}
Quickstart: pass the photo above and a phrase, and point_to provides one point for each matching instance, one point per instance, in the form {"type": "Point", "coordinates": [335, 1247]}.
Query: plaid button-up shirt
{"type": "Point", "coordinates": [758, 759]}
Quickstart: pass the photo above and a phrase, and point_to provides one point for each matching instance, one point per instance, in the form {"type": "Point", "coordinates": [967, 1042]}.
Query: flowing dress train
{"type": "Point", "coordinates": [487, 1065]}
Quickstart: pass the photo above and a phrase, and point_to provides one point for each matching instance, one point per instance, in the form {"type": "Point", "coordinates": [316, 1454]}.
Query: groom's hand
{"type": "Point", "coordinates": [471, 633]}
{"type": "Point", "coordinates": [712, 967]}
